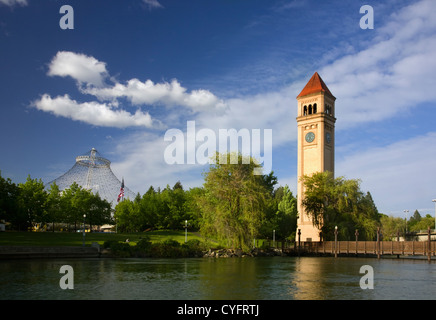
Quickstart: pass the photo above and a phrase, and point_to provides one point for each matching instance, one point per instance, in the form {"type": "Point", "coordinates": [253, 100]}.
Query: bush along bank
{"type": "Point", "coordinates": [145, 248]}
{"type": "Point", "coordinates": [173, 249]}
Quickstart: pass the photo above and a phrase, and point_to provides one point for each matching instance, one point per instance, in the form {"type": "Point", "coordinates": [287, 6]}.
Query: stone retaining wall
{"type": "Point", "coordinates": [26, 252]}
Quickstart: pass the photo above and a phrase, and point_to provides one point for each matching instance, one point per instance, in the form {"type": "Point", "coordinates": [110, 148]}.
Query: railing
{"type": "Point", "coordinates": [379, 248]}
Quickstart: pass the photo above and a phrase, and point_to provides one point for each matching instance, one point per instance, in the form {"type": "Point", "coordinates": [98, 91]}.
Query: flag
{"type": "Point", "coordinates": [121, 194]}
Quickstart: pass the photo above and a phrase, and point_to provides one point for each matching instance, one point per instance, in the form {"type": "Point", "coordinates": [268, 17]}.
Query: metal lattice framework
{"type": "Point", "coordinates": [93, 172]}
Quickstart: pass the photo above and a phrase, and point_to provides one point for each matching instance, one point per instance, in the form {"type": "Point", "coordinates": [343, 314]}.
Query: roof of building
{"type": "Point", "coordinates": [315, 84]}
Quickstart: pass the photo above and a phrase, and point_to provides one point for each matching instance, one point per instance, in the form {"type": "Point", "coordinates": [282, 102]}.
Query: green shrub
{"type": "Point", "coordinates": [194, 248]}
{"type": "Point", "coordinates": [144, 244]}
{"type": "Point", "coordinates": [108, 243]}
{"type": "Point", "coordinates": [118, 249]}
{"type": "Point", "coordinates": [143, 248]}
{"type": "Point", "coordinates": [166, 249]}
{"type": "Point", "coordinates": [171, 243]}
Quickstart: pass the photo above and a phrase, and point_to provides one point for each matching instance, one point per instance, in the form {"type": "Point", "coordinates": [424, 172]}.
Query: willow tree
{"type": "Point", "coordinates": [234, 200]}
{"type": "Point", "coordinates": [332, 202]}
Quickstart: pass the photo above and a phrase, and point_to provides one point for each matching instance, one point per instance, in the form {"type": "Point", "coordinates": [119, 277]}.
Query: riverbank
{"type": "Point", "coordinates": [63, 252]}
{"type": "Point", "coordinates": [145, 249]}
{"type": "Point", "coordinates": [31, 252]}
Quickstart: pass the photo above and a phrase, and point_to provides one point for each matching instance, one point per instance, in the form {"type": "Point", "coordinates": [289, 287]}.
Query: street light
{"type": "Point", "coordinates": [84, 216]}
{"type": "Point", "coordinates": [406, 212]}
{"type": "Point", "coordinates": [434, 200]}
{"type": "Point", "coordinates": [274, 238]}
{"type": "Point", "coordinates": [186, 231]}
{"type": "Point", "coordinates": [336, 241]}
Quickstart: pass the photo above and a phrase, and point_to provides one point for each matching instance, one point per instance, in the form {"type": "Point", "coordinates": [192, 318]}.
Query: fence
{"type": "Point", "coordinates": [378, 248]}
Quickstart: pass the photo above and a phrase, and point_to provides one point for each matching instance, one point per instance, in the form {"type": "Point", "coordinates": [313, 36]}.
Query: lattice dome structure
{"type": "Point", "coordinates": [93, 172]}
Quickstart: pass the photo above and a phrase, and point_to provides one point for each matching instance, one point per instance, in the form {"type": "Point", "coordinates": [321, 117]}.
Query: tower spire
{"type": "Point", "coordinates": [315, 85]}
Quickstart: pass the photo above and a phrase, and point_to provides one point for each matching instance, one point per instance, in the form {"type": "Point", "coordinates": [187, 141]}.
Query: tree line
{"type": "Point", "coordinates": [332, 202]}
{"type": "Point", "coordinates": [234, 206]}
{"type": "Point", "coordinates": [406, 228]}
{"type": "Point", "coordinates": [27, 205]}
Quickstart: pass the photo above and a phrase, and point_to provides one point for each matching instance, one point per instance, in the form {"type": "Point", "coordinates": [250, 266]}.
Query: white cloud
{"type": "Point", "coordinates": [93, 78]}
{"type": "Point", "coordinates": [393, 74]}
{"type": "Point", "coordinates": [152, 4]}
{"type": "Point", "coordinates": [91, 75]}
{"type": "Point", "coordinates": [167, 94]}
{"type": "Point", "coordinates": [84, 69]}
{"type": "Point", "coordinates": [11, 3]}
{"type": "Point", "coordinates": [397, 175]}
{"type": "Point", "coordinates": [142, 164]}
{"type": "Point", "coordinates": [93, 113]}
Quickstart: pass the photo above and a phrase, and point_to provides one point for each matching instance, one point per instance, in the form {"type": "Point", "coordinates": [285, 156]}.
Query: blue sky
{"type": "Point", "coordinates": [132, 69]}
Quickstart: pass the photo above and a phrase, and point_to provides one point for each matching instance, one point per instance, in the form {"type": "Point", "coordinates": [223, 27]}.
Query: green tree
{"type": "Point", "coordinates": [414, 219]}
{"type": "Point", "coordinates": [9, 200]}
{"type": "Point", "coordinates": [177, 207]}
{"type": "Point", "coordinates": [286, 215]}
{"type": "Point", "coordinates": [149, 207]}
{"type": "Point", "coordinates": [54, 204]}
{"type": "Point", "coordinates": [124, 216]}
{"type": "Point", "coordinates": [192, 206]}
{"type": "Point", "coordinates": [234, 201]}
{"type": "Point", "coordinates": [98, 210]}
{"type": "Point", "coordinates": [423, 224]}
{"type": "Point", "coordinates": [77, 202]}
{"type": "Point", "coordinates": [32, 200]}
{"type": "Point", "coordinates": [392, 227]}
{"type": "Point", "coordinates": [339, 202]}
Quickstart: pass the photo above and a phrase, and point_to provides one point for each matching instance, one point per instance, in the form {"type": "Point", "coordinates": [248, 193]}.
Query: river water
{"type": "Point", "coordinates": [269, 278]}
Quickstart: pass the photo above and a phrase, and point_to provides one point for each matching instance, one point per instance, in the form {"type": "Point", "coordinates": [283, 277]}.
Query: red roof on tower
{"type": "Point", "coordinates": [314, 85]}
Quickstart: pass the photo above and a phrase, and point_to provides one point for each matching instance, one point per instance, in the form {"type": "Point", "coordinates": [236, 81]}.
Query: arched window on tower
{"type": "Point", "coordinates": [314, 108]}
{"type": "Point", "coordinates": [305, 110]}
{"type": "Point", "coordinates": [310, 109]}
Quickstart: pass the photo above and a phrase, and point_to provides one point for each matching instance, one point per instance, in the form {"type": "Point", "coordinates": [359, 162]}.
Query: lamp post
{"type": "Point", "coordinates": [406, 213]}
{"type": "Point", "coordinates": [186, 231]}
{"type": "Point", "coordinates": [434, 200]}
{"type": "Point", "coordinates": [299, 241]}
{"type": "Point", "coordinates": [274, 238]}
{"type": "Point", "coordinates": [336, 241]}
{"type": "Point", "coordinates": [84, 216]}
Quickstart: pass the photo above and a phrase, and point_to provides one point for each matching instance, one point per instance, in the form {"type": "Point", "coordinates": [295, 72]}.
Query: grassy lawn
{"type": "Point", "coordinates": [75, 239]}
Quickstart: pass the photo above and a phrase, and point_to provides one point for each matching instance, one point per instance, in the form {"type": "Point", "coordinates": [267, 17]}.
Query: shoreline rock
{"type": "Point", "coordinates": [238, 253]}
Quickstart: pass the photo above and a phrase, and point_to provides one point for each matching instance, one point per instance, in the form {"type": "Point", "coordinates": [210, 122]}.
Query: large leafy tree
{"type": "Point", "coordinates": [286, 215]}
{"type": "Point", "coordinates": [125, 216]}
{"type": "Point", "coordinates": [77, 201]}
{"type": "Point", "coordinates": [32, 200]}
{"type": "Point", "coordinates": [234, 201]}
{"type": "Point", "coordinates": [54, 204]}
{"type": "Point", "coordinates": [339, 202]}
{"type": "Point", "coordinates": [9, 201]}
{"type": "Point", "coordinates": [98, 209]}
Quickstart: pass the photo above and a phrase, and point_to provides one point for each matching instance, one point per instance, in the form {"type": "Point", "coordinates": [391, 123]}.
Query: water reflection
{"type": "Point", "coordinates": [233, 278]}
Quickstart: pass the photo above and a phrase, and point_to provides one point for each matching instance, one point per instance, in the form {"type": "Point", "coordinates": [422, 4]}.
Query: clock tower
{"type": "Point", "coordinates": [316, 143]}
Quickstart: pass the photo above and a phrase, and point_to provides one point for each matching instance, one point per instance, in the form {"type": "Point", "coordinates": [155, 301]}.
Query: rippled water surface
{"type": "Point", "coordinates": [232, 278]}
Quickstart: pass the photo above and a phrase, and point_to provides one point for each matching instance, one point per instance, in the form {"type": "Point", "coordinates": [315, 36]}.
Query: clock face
{"type": "Point", "coordinates": [310, 136]}
{"type": "Point", "coordinates": [328, 137]}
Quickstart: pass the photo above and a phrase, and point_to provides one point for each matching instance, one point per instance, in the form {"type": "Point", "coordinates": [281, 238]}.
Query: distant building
{"type": "Point", "coordinates": [316, 142]}
{"type": "Point", "coordinates": [92, 172]}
